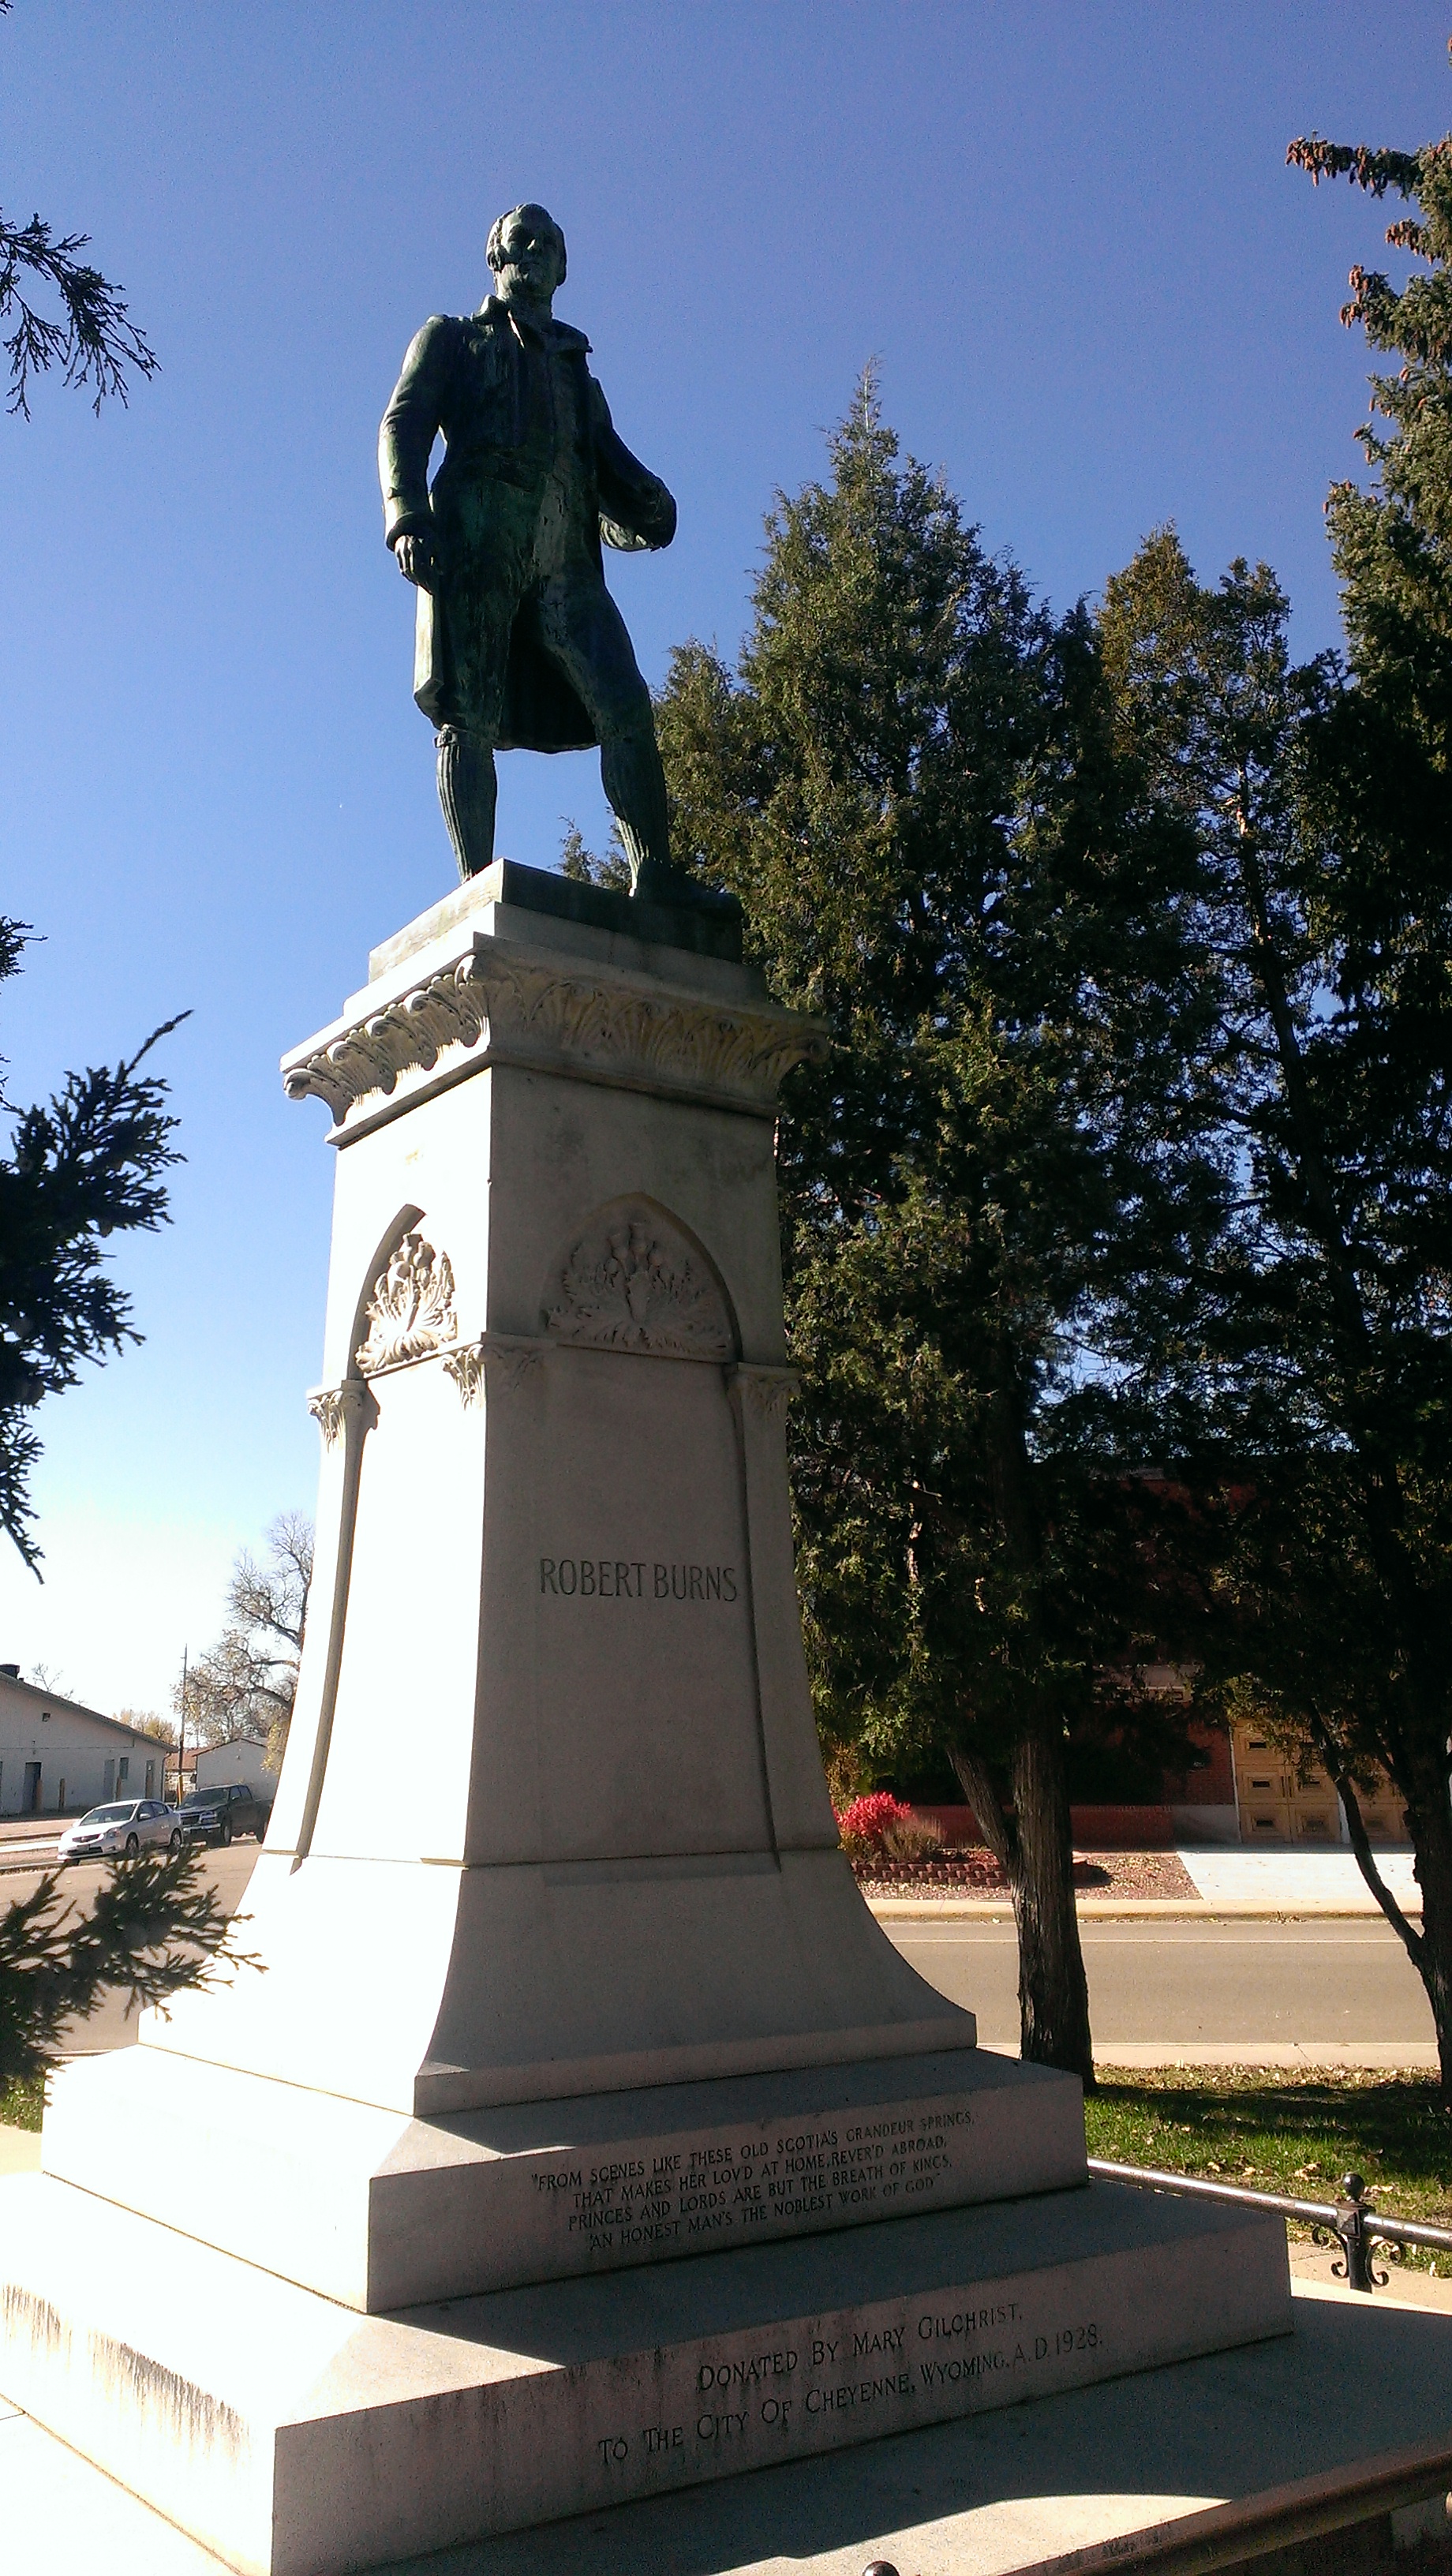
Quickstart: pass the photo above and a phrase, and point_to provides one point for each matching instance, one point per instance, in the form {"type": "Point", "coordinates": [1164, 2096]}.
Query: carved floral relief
{"type": "Point", "coordinates": [411, 1311]}
{"type": "Point", "coordinates": [632, 1283]}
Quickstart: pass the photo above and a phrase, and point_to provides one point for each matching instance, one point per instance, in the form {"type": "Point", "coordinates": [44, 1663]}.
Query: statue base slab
{"type": "Point", "coordinates": [380, 2211]}
{"type": "Point", "coordinates": [296, 2438]}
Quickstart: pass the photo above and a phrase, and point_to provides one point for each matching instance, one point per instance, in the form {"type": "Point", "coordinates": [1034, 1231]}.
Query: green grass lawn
{"type": "Point", "coordinates": [1283, 2133]}
{"type": "Point", "coordinates": [22, 2104]}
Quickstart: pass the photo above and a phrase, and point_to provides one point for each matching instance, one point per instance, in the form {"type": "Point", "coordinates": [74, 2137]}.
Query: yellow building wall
{"type": "Point", "coordinates": [1277, 1806]}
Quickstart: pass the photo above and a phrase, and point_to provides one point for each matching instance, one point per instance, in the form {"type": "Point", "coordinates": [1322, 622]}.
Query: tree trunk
{"type": "Point", "coordinates": [1429, 1817]}
{"type": "Point", "coordinates": [1053, 1991]}
{"type": "Point", "coordinates": [1429, 1821]}
{"type": "Point", "coordinates": [1034, 1848]}
{"type": "Point", "coordinates": [1421, 1771]}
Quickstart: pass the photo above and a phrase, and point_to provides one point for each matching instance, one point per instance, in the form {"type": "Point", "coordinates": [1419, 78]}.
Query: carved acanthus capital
{"type": "Point", "coordinates": [497, 1358]}
{"type": "Point", "coordinates": [449, 1010]}
{"type": "Point", "coordinates": [503, 1006]}
{"type": "Point", "coordinates": [411, 1311]}
{"type": "Point", "coordinates": [332, 1407]}
{"type": "Point", "coordinates": [763, 1392]}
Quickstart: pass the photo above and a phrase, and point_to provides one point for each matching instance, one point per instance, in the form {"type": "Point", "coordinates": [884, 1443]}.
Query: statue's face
{"type": "Point", "coordinates": [530, 263]}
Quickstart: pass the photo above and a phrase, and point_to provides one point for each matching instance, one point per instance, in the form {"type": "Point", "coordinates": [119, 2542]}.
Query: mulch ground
{"type": "Point", "coordinates": [976, 1873]}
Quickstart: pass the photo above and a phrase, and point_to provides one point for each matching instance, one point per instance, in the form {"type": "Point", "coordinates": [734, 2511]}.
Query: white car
{"type": "Point", "coordinates": [121, 1830]}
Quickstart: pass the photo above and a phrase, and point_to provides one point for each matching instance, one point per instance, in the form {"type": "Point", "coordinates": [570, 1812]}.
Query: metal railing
{"type": "Point", "coordinates": [1355, 2221]}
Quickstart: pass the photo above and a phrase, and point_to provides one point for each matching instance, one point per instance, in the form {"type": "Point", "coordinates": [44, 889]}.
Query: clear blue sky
{"type": "Point", "coordinates": [1063, 228]}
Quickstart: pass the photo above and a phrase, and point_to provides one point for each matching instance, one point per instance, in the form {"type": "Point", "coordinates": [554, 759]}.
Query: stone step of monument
{"type": "Point", "coordinates": [297, 2436]}
{"type": "Point", "coordinates": [380, 2211]}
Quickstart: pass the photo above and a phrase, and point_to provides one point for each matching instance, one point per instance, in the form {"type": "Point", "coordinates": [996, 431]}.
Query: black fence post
{"type": "Point", "coordinates": [1351, 2216]}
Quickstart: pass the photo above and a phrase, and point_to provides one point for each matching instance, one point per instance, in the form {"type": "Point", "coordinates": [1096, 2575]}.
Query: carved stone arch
{"type": "Point", "coordinates": [634, 1278]}
{"type": "Point", "coordinates": [388, 1242]}
{"type": "Point", "coordinates": [406, 1308]}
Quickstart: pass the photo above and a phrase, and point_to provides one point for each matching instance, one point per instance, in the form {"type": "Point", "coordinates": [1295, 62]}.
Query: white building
{"type": "Point", "coordinates": [245, 1758]}
{"type": "Point", "coordinates": [57, 1758]}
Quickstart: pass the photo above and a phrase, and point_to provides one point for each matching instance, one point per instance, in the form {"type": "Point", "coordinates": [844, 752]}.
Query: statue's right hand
{"type": "Point", "coordinates": [414, 557]}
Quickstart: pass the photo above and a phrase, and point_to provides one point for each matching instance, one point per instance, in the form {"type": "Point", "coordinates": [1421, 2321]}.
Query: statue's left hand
{"type": "Point", "coordinates": [414, 557]}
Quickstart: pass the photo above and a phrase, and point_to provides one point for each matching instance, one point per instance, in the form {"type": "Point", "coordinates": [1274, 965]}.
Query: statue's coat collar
{"type": "Point", "coordinates": [561, 335]}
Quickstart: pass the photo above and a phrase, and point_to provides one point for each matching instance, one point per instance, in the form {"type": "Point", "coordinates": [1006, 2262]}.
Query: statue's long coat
{"type": "Point", "coordinates": [483, 383]}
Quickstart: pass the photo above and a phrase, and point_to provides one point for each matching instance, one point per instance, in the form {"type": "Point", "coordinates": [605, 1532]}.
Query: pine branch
{"type": "Point", "coordinates": [1373, 171]}
{"type": "Point", "coordinates": [156, 1928]}
{"type": "Point", "coordinates": [92, 341]}
{"type": "Point", "coordinates": [86, 1166]}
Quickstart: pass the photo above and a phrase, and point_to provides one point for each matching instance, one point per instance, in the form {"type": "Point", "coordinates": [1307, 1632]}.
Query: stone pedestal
{"type": "Point", "coordinates": [297, 2438]}
{"type": "Point", "coordinates": [563, 1973]}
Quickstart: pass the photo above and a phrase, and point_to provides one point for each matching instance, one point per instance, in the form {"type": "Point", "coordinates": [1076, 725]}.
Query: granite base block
{"type": "Point", "coordinates": [379, 2211]}
{"type": "Point", "coordinates": [295, 2438]}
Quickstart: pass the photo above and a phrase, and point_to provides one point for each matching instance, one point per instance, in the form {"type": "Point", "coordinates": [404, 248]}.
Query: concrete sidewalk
{"type": "Point", "coordinates": [29, 1842]}
{"type": "Point", "coordinates": [1298, 1878]}
{"type": "Point", "coordinates": [1250, 1885]}
{"type": "Point", "coordinates": [1132, 1909]}
{"type": "Point", "coordinates": [1409, 2289]}
{"type": "Point", "coordinates": [1369, 2056]}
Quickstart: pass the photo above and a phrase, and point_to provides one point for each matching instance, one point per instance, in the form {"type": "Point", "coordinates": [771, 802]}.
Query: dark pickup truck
{"type": "Point", "coordinates": [220, 1815]}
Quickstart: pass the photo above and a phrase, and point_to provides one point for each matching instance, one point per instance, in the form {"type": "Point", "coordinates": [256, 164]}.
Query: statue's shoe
{"type": "Point", "coordinates": [676, 889]}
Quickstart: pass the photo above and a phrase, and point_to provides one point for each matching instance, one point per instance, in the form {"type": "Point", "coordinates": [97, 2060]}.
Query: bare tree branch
{"type": "Point", "coordinates": [246, 1683]}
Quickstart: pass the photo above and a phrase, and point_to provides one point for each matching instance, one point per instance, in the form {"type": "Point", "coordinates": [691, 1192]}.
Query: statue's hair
{"type": "Point", "coordinates": [494, 247]}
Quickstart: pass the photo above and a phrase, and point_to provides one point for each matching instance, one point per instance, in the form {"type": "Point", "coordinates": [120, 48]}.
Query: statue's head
{"type": "Point", "coordinates": [526, 251]}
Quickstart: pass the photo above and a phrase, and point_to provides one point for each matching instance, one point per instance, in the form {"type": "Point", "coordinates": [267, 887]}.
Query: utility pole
{"type": "Point", "coordinates": [181, 1732]}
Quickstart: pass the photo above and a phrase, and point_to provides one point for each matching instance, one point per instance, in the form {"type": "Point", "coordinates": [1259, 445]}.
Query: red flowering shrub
{"type": "Point", "coordinates": [863, 1824]}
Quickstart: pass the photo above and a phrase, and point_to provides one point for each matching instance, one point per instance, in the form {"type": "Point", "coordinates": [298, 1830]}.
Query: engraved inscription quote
{"type": "Point", "coordinates": [788, 2180]}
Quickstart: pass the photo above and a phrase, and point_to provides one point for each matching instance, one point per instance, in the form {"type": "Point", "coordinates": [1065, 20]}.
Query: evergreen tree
{"type": "Point", "coordinates": [81, 1168]}
{"type": "Point", "coordinates": [910, 780]}
{"type": "Point", "coordinates": [1311, 1411]}
{"type": "Point", "coordinates": [1327, 828]}
{"type": "Point", "coordinates": [153, 1928]}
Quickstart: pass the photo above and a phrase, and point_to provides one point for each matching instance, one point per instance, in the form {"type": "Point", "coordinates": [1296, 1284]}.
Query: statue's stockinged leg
{"type": "Point", "coordinates": [468, 788]}
{"type": "Point", "coordinates": [634, 784]}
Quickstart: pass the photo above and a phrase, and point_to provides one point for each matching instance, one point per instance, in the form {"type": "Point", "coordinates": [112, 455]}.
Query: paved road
{"type": "Point", "coordinates": [1339, 1982]}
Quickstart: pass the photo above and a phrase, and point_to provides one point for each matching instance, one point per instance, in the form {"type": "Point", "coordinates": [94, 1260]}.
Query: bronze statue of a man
{"type": "Point", "coordinates": [520, 645]}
